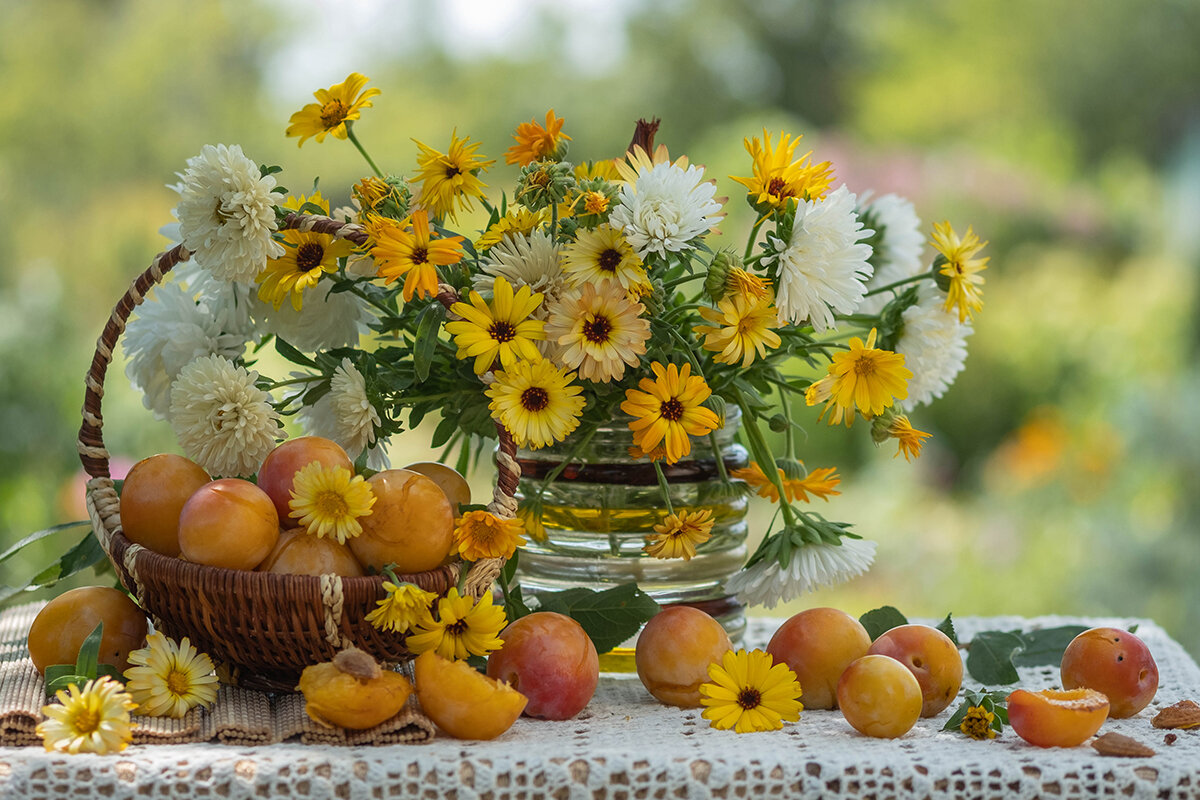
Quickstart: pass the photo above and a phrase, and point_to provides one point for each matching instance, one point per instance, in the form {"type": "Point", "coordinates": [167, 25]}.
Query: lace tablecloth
{"type": "Point", "coordinates": [625, 746]}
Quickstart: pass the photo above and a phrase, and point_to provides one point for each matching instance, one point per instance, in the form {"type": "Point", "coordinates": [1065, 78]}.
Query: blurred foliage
{"type": "Point", "coordinates": [1062, 478]}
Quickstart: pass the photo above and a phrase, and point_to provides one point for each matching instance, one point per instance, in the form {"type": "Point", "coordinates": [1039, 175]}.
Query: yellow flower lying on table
{"type": "Point", "coordinates": [170, 678]}
{"type": "Point", "coordinates": [749, 692]}
{"type": "Point", "coordinates": [94, 719]}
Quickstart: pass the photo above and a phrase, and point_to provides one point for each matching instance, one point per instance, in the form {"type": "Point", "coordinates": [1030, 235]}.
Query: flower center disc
{"type": "Point", "coordinates": [332, 504]}
{"type": "Point", "coordinates": [177, 683]}
{"type": "Point", "coordinates": [864, 366]}
{"type": "Point", "coordinates": [597, 329]}
{"type": "Point", "coordinates": [749, 698]}
{"type": "Point", "coordinates": [534, 398]}
{"type": "Point", "coordinates": [309, 256]}
{"type": "Point", "coordinates": [609, 260]}
{"type": "Point", "coordinates": [333, 114]}
{"type": "Point", "coordinates": [672, 410]}
{"type": "Point", "coordinates": [502, 331]}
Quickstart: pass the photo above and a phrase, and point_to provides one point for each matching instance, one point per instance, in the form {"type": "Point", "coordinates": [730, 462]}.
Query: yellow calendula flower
{"type": "Point", "coordinates": [307, 256]}
{"type": "Point", "coordinates": [335, 107]}
{"type": "Point", "coordinates": [450, 179]}
{"type": "Point", "coordinates": [863, 378]}
{"type": "Point", "coordinates": [740, 328]}
{"type": "Point", "coordinates": [501, 329]}
{"type": "Point", "coordinates": [169, 679]}
{"type": "Point", "coordinates": [94, 719]}
{"type": "Point", "coordinates": [535, 141]}
{"type": "Point", "coordinates": [518, 221]}
{"type": "Point", "coordinates": [961, 269]}
{"type": "Point", "coordinates": [820, 483]}
{"type": "Point", "coordinates": [600, 331]}
{"type": "Point", "coordinates": [404, 608]}
{"type": "Point", "coordinates": [605, 169]}
{"type": "Point", "coordinates": [910, 439]}
{"type": "Point", "coordinates": [463, 628]}
{"type": "Point", "coordinates": [780, 177]}
{"type": "Point", "coordinates": [978, 723]}
{"type": "Point", "coordinates": [329, 501]}
{"type": "Point", "coordinates": [602, 254]}
{"type": "Point", "coordinates": [481, 534]}
{"type": "Point", "coordinates": [678, 534]}
{"type": "Point", "coordinates": [411, 250]}
{"type": "Point", "coordinates": [668, 409]}
{"type": "Point", "coordinates": [537, 402]}
{"type": "Point", "coordinates": [749, 692]}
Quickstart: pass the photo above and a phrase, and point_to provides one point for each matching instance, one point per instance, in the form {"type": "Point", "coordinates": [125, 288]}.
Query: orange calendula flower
{"type": "Point", "coordinates": [909, 438]}
{"type": "Point", "coordinates": [863, 378]}
{"type": "Point", "coordinates": [780, 177]}
{"type": "Point", "coordinates": [535, 142]}
{"type": "Point", "coordinates": [820, 483]}
{"type": "Point", "coordinates": [668, 409]}
{"type": "Point", "coordinates": [450, 179]}
{"type": "Point", "coordinates": [678, 534]}
{"type": "Point", "coordinates": [960, 272]}
{"type": "Point", "coordinates": [335, 107]}
{"type": "Point", "coordinates": [412, 250]}
{"type": "Point", "coordinates": [481, 534]}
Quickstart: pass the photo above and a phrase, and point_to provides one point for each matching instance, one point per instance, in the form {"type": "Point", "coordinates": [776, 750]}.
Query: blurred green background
{"type": "Point", "coordinates": [1064, 476]}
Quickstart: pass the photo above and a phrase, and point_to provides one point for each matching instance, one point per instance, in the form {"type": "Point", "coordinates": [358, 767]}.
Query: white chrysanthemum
{"type": "Point", "coordinates": [328, 319]}
{"type": "Point", "coordinates": [172, 329]}
{"type": "Point", "coordinates": [823, 269]}
{"type": "Point", "coordinates": [226, 213]}
{"type": "Point", "coordinates": [223, 421]}
{"type": "Point", "coordinates": [345, 415]}
{"type": "Point", "coordinates": [812, 567]}
{"type": "Point", "coordinates": [532, 261]}
{"type": "Point", "coordinates": [666, 208]}
{"type": "Point", "coordinates": [934, 345]}
{"type": "Point", "coordinates": [229, 303]}
{"type": "Point", "coordinates": [899, 253]}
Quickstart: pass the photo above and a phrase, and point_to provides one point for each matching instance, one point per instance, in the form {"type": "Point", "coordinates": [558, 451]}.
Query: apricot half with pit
{"type": "Point", "coordinates": [351, 691]}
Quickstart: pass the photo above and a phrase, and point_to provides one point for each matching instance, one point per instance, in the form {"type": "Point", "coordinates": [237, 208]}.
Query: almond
{"type": "Point", "coordinates": [1116, 744]}
{"type": "Point", "coordinates": [1184, 714]}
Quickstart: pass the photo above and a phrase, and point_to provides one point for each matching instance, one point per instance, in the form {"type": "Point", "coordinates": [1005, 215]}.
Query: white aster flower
{"type": "Point", "coordinates": [532, 261]}
{"type": "Point", "coordinates": [172, 329]}
{"type": "Point", "coordinates": [345, 415]}
{"type": "Point", "coordinates": [328, 319]}
{"type": "Point", "coordinates": [812, 567]}
{"type": "Point", "coordinates": [898, 255]}
{"type": "Point", "coordinates": [229, 303]}
{"type": "Point", "coordinates": [934, 345]}
{"type": "Point", "coordinates": [226, 213]}
{"type": "Point", "coordinates": [665, 209]}
{"type": "Point", "coordinates": [823, 269]}
{"type": "Point", "coordinates": [223, 421]}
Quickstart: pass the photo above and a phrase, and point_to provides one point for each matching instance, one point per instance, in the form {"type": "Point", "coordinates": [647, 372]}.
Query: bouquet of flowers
{"type": "Point", "coordinates": [593, 293]}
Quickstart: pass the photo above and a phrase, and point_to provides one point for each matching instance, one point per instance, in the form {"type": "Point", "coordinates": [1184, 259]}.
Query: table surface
{"type": "Point", "coordinates": [626, 746]}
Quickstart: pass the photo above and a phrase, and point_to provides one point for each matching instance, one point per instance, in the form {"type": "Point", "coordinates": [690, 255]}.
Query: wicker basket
{"type": "Point", "coordinates": [265, 627]}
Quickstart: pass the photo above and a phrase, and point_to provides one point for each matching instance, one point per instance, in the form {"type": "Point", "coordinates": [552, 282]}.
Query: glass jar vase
{"type": "Point", "coordinates": [597, 511]}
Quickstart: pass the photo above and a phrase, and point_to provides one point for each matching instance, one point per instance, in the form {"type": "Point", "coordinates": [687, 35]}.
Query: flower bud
{"type": "Point", "coordinates": [793, 470]}
{"type": "Point", "coordinates": [942, 280]}
{"type": "Point", "coordinates": [718, 274]}
{"type": "Point", "coordinates": [881, 425]}
{"type": "Point", "coordinates": [716, 404]}
{"type": "Point", "coordinates": [778, 423]}
{"type": "Point", "coordinates": [545, 183]}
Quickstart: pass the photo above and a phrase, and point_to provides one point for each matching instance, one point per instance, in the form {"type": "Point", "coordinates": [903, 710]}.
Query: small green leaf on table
{"type": "Point", "coordinates": [880, 620]}
{"type": "Point", "coordinates": [608, 617]}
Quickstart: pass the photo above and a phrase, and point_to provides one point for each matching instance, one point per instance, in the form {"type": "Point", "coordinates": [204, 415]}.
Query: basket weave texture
{"type": "Point", "coordinates": [264, 627]}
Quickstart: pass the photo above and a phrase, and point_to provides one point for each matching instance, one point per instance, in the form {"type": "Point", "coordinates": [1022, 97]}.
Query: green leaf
{"type": "Point", "coordinates": [60, 676]}
{"type": "Point", "coordinates": [880, 620]}
{"type": "Point", "coordinates": [1045, 647]}
{"type": "Point", "coordinates": [88, 553]}
{"type": "Point", "coordinates": [444, 430]}
{"type": "Point", "coordinates": [957, 717]}
{"type": "Point", "coordinates": [990, 658]}
{"type": "Point", "coordinates": [609, 617]}
{"type": "Point", "coordinates": [946, 626]}
{"type": "Point", "coordinates": [89, 653]}
{"type": "Point", "coordinates": [292, 354]}
{"type": "Point", "coordinates": [425, 345]}
{"type": "Point", "coordinates": [1132, 629]}
{"type": "Point", "coordinates": [38, 536]}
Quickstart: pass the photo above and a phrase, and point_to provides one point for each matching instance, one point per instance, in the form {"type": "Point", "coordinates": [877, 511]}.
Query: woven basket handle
{"type": "Point", "coordinates": [95, 456]}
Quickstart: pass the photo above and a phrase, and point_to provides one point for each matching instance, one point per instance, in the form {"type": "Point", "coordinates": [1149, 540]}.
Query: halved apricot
{"type": "Point", "coordinates": [463, 702]}
{"type": "Point", "coordinates": [1054, 718]}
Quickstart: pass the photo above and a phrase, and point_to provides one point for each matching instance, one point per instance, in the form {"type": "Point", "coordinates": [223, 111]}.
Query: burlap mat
{"type": "Point", "coordinates": [239, 717]}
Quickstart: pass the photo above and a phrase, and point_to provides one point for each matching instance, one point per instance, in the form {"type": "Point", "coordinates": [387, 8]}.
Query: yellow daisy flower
{"type": "Point", "coordinates": [749, 692]}
{"type": "Point", "coordinates": [519, 220]}
{"type": "Point", "coordinates": [481, 534]}
{"type": "Point", "coordinates": [820, 483]}
{"type": "Point", "coordinates": [978, 723]}
{"type": "Point", "coordinates": [307, 256]}
{"type": "Point", "coordinates": [599, 330]}
{"type": "Point", "coordinates": [500, 329]}
{"type": "Point", "coordinates": [535, 142]}
{"type": "Point", "coordinates": [450, 178]}
{"type": "Point", "coordinates": [601, 255]}
{"type": "Point", "coordinates": [741, 327]}
{"type": "Point", "coordinates": [463, 628]}
{"type": "Point", "coordinates": [667, 409]}
{"type": "Point", "coordinates": [910, 439]}
{"type": "Point", "coordinates": [94, 719]}
{"type": "Point", "coordinates": [411, 249]}
{"type": "Point", "coordinates": [329, 500]}
{"type": "Point", "coordinates": [170, 679]}
{"type": "Point", "coordinates": [961, 268]}
{"type": "Point", "coordinates": [678, 534]}
{"type": "Point", "coordinates": [862, 377]}
{"type": "Point", "coordinates": [780, 177]}
{"type": "Point", "coordinates": [637, 159]}
{"type": "Point", "coordinates": [335, 106]}
{"type": "Point", "coordinates": [405, 607]}
{"type": "Point", "coordinates": [537, 402]}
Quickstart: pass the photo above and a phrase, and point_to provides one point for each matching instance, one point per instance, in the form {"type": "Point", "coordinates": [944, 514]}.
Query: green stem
{"type": "Point", "coordinates": [720, 457]}
{"type": "Point", "coordinates": [554, 473]}
{"type": "Point", "coordinates": [758, 223]}
{"type": "Point", "coordinates": [294, 381]}
{"type": "Point", "coordinates": [762, 454]}
{"type": "Point", "coordinates": [359, 293]}
{"type": "Point", "coordinates": [671, 284]}
{"type": "Point", "coordinates": [354, 140]}
{"type": "Point", "coordinates": [687, 348]}
{"type": "Point", "coordinates": [788, 435]}
{"type": "Point", "coordinates": [553, 219]}
{"type": "Point", "coordinates": [662, 485]}
{"type": "Point", "coordinates": [899, 283]}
